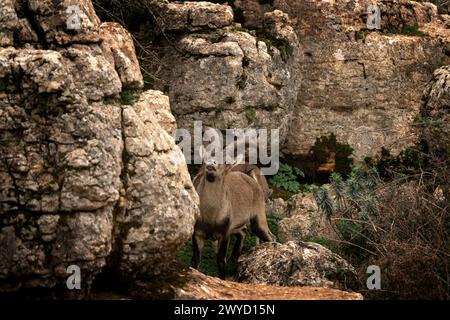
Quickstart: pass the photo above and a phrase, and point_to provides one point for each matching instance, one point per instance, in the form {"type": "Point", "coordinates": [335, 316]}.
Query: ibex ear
{"type": "Point", "coordinates": [202, 152]}
{"type": "Point", "coordinates": [237, 161]}
{"type": "Point", "coordinates": [240, 159]}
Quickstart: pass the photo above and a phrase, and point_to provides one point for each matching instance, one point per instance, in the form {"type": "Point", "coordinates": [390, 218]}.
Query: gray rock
{"type": "Point", "coordinates": [365, 86]}
{"type": "Point", "coordinates": [229, 78]}
{"type": "Point", "coordinates": [295, 264]}
{"type": "Point", "coordinates": [161, 203]}
{"type": "Point", "coordinates": [83, 180]}
{"type": "Point", "coordinates": [193, 16]}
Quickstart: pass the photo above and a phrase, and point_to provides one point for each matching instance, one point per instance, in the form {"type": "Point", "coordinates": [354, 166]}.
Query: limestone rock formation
{"type": "Point", "coordinates": [161, 203]}
{"type": "Point", "coordinates": [193, 16]}
{"type": "Point", "coordinates": [443, 6]}
{"type": "Point", "coordinates": [295, 264]}
{"type": "Point", "coordinates": [363, 85]}
{"type": "Point", "coordinates": [224, 75]}
{"type": "Point", "coordinates": [436, 100]}
{"type": "Point", "coordinates": [277, 205]}
{"type": "Point", "coordinates": [84, 180]}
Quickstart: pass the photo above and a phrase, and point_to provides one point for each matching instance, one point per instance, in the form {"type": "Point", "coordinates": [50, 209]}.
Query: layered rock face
{"type": "Point", "coordinates": [228, 77]}
{"type": "Point", "coordinates": [84, 180]}
{"type": "Point", "coordinates": [365, 86]}
{"type": "Point", "coordinates": [308, 68]}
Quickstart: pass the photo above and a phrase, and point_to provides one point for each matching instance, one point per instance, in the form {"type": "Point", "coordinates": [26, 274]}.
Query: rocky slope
{"type": "Point", "coordinates": [84, 180]}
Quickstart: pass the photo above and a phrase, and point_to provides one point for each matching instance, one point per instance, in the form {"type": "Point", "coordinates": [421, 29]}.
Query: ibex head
{"type": "Point", "coordinates": [216, 166]}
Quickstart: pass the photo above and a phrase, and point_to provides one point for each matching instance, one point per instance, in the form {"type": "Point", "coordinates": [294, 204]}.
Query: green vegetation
{"type": "Point", "coordinates": [281, 45]}
{"type": "Point", "coordinates": [412, 30]}
{"type": "Point", "coordinates": [250, 114]}
{"type": "Point", "coordinates": [128, 97]}
{"type": "Point", "coordinates": [407, 162]}
{"type": "Point", "coordinates": [287, 178]}
{"type": "Point", "coordinates": [326, 150]}
{"type": "Point", "coordinates": [408, 30]}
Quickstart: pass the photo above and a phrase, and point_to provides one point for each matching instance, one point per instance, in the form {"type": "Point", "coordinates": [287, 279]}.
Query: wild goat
{"type": "Point", "coordinates": [250, 170]}
{"type": "Point", "coordinates": [230, 201]}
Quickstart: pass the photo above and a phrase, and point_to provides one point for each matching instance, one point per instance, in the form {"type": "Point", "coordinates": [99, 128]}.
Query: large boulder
{"type": "Point", "coordinates": [295, 264]}
{"type": "Point", "coordinates": [84, 180]}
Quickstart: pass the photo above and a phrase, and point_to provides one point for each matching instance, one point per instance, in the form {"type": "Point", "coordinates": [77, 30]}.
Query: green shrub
{"type": "Point", "coordinates": [287, 178]}
{"type": "Point", "coordinates": [127, 97]}
{"type": "Point", "coordinates": [250, 114]}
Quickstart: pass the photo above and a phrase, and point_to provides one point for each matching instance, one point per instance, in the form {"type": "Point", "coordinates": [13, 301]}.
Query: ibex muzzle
{"type": "Point", "coordinates": [229, 202]}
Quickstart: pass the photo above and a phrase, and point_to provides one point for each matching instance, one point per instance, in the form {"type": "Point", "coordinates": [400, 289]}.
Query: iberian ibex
{"type": "Point", "coordinates": [230, 201]}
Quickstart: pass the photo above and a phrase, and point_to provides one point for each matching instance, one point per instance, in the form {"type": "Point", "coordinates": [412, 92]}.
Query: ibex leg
{"type": "Point", "coordinates": [261, 229]}
{"type": "Point", "coordinates": [238, 245]}
{"type": "Point", "coordinates": [197, 247]}
{"type": "Point", "coordinates": [221, 255]}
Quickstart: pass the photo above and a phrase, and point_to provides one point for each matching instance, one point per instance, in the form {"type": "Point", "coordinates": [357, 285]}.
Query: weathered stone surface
{"type": "Point", "coordinates": [64, 22]}
{"type": "Point", "coordinates": [8, 23]}
{"type": "Point", "coordinates": [193, 16]}
{"type": "Point", "coordinates": [93, 76]}
{"type": "Point", "coordinates": [435, 137]}
{"type": "Point", "coordinates": [154, 104]}
{"type": "Point", "coordinates": [295, 264]}
{"type": "Point", "coordinates": [437, 94]}
{"type": "Point", "coordinates": [303, 221]}
{"type": "Point", "coordinates": [161, 203]}
{"type": "Point", "coordinates": [364, 86]}
{"type": "Point", "coordinates": [443, 6]}
{"type": "Point", "coordinates": [232, 79]}
{"type": "Point", "coordinates": [36, 250]}
{"type": "Point", "coordinates": [277, 205]}
{"type": "Point", "coordinates": [119, 49]}
{"type": "Point", "coordinates": [368, 94]}
{"type": "Point", "coordinates": [83, 178]}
